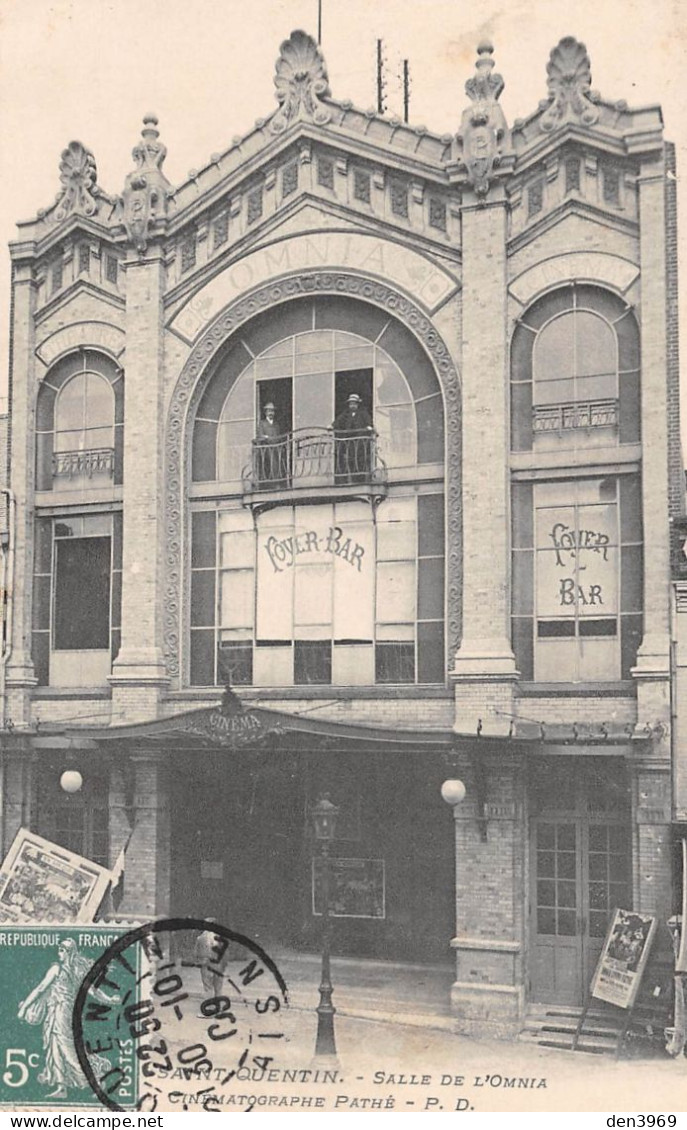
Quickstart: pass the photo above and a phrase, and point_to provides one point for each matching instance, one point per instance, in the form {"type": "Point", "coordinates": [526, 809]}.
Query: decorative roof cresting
{"type": "Point", "coordinates": [484, 131]}
{"type": "Point", "coordinates": [78, 176]}
{"type": "Point", "coordinates": [570, 95]}
{"type": "Point", "coordinates": [301, 82]}
{"type": "Point", "coordinates": [146, 190]}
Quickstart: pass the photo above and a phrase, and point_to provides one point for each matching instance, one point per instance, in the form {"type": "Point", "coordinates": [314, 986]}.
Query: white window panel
{"type": "Point", "coordinates": [556, 659]}
{"type": "Point", "coordinates": [396, 430]}
{"type": "Point", "coordinates": [313, 632]}
{"type": "Point", "coordinates": [313, 594]}
{"type": "Point", "coordinates": [283, 348]}
{"type": "Point", "coordinates": [399, 508]}
{"type": "Point", "coordinates": [391, 386]}
{"type": "Point", "coordinates": [316, 341]}
{"type": "Point", "coordinates": [275, 573]}
{"type": "Point", "coordinates": [240, 403]}
{"type": "Point", "coordinates": [599, 659]}
{"type": "Point", "coordinates": [361, 357]}
{"type": "Point", "coordinates": [237, 550]}
{"type": "Point", "coordinates": [314, 400]}
{"type": "Point", "coordinates": [234, 521]}
{"type": "Point", "coordinates": [237, 589]}
{"type": "Point", "coordinates": [353, 665]}
{"type": "Point", "coordinates": [395, 591]}
{"type": "Point", "coordinates": [234, 448]}
{"type": "Point", "coordinates": [270, 367]}
{"type": "Point", "coordinates": [395, 633]}
{"type": "Point", "coordinates": [273, 667]}
{"type": "Point", "coordinates": [354, 581]}
{"type": "Point", "coordinates": [396, 541]}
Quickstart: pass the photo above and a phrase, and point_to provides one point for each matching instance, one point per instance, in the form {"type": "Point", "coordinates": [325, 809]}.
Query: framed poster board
{"type": "Point", "coordinates": [356, 888]}
{"type": "Point", "coordinates": [623, 959]}
{"type": "Point", "coordinates": [42, 882]}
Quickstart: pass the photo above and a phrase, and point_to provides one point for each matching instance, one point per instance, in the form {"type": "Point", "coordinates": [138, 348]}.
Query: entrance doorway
{"type": "Point", "coordinates": [581, 868]}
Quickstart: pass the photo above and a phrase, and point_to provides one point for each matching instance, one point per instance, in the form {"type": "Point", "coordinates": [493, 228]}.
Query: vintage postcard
{"type": "Point", "coordinates": [43, 882]}
{"type": "Point", "coordinates": [343, 556]}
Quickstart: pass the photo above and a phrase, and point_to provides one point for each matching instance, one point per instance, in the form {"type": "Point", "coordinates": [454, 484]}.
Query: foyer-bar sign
{"type": "Point", "coordinates": [356, 888]}
{"type": "Point", "coordinates": [623, 958]}
{"type": "Point", "coordinates": [283, 552]}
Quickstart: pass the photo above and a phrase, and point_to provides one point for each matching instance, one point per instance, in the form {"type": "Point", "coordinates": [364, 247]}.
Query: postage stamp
{"type": "Point", "coordinates": [199, 1004]}
{"type": "Point", "coordinates": [42, 969]}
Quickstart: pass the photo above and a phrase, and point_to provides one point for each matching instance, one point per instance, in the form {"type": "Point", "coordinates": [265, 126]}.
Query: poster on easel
{"type": "Point", "coordinates": [623, 959]}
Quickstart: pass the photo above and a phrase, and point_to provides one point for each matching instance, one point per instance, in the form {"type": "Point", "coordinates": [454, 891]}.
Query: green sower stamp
{"type": "Point", "coordinates": [42, 969]}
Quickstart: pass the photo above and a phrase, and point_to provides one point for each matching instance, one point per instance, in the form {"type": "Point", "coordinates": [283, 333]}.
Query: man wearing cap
{"type": "Point", "coordinates": [270, 448]}
{"type": "Point", "coordinates": [353, 433]}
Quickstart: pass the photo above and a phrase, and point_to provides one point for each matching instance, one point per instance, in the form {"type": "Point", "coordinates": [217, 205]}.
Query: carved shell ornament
{"type": "Point", "coordinates": [78, 176]}
{"type": "Point", "coordinates": [301, 82]}
{"type": "Point", "coordinates": [569, 83]}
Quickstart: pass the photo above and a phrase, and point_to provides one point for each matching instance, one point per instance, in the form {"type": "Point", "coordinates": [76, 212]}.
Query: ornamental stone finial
{"type": "Point", "coordinates": [569, 82]}
{"type": "Point", "coordinates": [146, 190]}
{"type": "Point", "coordinates": [78, 176]}
{"type": "Point", "coordinates": [484, 132]}
{"type": "Point", "coordinates": [301, 82]}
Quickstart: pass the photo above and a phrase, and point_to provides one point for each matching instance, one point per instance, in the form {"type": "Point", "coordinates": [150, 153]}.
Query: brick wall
{"type": "Point", "coordinates": [675, 454]}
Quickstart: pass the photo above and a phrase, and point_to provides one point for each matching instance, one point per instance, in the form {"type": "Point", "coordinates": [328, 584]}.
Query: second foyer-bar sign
{"type": "Point", "coordinates": [623, 958]}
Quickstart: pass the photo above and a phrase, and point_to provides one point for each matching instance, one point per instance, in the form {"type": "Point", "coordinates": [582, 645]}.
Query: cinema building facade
{"type": "Point", "coordinates": [475, 584]}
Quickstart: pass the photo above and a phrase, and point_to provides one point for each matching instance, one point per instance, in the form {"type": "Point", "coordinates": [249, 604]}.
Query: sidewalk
{"type": "Point", "coordinates": [412, 995]}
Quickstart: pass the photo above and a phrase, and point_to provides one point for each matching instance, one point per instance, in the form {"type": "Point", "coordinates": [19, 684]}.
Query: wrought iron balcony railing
{"type": "Point", "coordinates": [582, 414]}
{"type": "Point", "coordinates": [314, 457]}
{"type": "Point", "coordinates": [69, 464]}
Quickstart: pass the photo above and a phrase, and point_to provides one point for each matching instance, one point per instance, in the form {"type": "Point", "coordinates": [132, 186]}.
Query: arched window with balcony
{"type": "Point", "coordinates": [79, 424]}
{"type": "Point", "coordinates": [575, 371]}
{"type": "Point", "coordinates": [577, 581]}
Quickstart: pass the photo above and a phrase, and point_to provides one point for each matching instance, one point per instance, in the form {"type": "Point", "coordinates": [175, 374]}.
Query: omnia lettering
{"type": "Point", "coordinates": [282, 552]}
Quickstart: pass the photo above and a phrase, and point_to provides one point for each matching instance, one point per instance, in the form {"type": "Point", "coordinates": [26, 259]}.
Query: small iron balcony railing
{"type": "Point", "coordinates": [582, 414]}
{"type": "Point", "coordinates": [309, 457]}
{"type": "Point", "coordinates": [69, 464]}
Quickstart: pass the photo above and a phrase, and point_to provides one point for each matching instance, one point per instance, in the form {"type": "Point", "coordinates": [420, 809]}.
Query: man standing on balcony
{"type": "Point", "coordinates": [353, 433]}
{"type": "Point", "coordinates": [270, 449]}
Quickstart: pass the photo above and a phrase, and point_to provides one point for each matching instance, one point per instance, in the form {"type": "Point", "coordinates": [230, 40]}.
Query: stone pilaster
{"type": "Point", "coordinates": [19, 676]}
{"type": "Point", "coordinates": [147, 869]}
{"type": "Point", "coordinates": [484, 672]}
{"type": "Point", "coordinates": [488, 994]}
{"type": "Point", "coordinates": [652, 672]}
{"type": "Point", "coordinates": [139, 672]}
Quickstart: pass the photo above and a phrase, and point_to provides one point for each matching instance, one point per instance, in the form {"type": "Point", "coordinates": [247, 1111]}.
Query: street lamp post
{"type": "Point", "coordinates": [324, 816]}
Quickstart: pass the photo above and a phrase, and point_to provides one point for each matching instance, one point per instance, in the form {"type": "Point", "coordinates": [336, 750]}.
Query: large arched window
{"type": "Point", "coordinates": [308, 378]}
{"type": "Point", "coordinates": [575, 371]}
{"type": "Point", "coordinates": [80, 424]}
{"type": "Point", "coordinates": [84, 414]}
{"type": "Point", "coordinates": [324, 582]}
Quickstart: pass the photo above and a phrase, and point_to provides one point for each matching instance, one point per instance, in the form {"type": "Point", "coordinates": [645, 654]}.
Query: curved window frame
{"type": "Point", "coordinates": [108, 459]}
{"type": "Point", "coordinates": [298, 316]}
{"type": "Point", "coordinates": [373, 327]}
{"type": "Point", "coordinates": [620, 413]}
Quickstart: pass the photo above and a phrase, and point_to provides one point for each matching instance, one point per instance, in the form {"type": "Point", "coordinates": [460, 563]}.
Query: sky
{"type": "Point", "coordinates": [90, 69]}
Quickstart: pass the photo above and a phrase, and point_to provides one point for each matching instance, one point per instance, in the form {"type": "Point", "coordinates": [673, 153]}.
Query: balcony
{"type": "Point", "coordinates": [79, 464]}
{"type": "Point", "coordinates": [581, 414]}
{"type": "Point", "coordinates": [313, 465]}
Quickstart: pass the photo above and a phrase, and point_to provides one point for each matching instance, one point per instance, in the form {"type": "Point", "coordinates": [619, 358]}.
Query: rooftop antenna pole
{"type": "Point", "coordinates": [380, 77]}
{"type": "Point", "coordinates": [406, 90]}
{"type": "Point", "coordinates": [319, 21]}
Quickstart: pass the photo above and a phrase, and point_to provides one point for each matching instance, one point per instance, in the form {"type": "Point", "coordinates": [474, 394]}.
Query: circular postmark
{"type": "Point", "coordinates": [184, 1032]}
